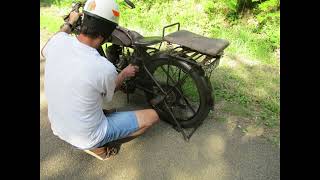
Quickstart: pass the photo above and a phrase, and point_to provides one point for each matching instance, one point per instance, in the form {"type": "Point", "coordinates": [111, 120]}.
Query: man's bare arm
{"type": "Point", "coordinates": [129, 71]}
{"type": "Point", "coordinates": [73, 18]}
{"type": "Point", "coordinates": [120, 78]}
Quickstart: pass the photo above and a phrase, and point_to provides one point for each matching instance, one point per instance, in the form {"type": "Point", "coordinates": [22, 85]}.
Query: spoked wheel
{"type": "Point", "coordinates": [186, 91]}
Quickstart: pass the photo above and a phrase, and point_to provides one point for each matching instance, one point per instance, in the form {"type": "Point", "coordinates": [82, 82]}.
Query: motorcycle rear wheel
{"type": "Point", "coordinates": [187, 99]}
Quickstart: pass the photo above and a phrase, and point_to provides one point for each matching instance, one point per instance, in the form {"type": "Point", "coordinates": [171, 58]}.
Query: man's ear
{"type": "Point", "coordinates": [101, 39]}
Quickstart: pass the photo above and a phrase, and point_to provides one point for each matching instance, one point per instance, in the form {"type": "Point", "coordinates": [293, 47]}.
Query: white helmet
{"type": "Point", "coordinates": [106, 9]}
{"type": "Point", "coordinates": [100, 16]}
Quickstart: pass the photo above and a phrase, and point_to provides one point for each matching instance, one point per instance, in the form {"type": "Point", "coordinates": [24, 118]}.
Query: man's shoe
{"type": "Point", "coordinates": [103, 153]}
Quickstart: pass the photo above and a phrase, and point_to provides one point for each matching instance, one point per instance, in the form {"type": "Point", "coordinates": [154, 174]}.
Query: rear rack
{"type": "Point", "coordinates": [164, 29]}
{"type": "Point", "coordinates": [207, 62]}
{"type": "Point", "coordinates": [194, 48]}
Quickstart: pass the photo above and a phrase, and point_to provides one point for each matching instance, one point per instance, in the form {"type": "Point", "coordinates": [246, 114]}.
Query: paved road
{"type": "Point", "coordinates": [218, 150]}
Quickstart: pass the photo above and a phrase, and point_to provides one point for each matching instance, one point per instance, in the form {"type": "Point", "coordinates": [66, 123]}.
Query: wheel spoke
{"type": "Point", "coordinates": [155, 81]}
{"type": "Point", "coordinates": [168, 74]}
{"type": "Point", "coordinates": [180, 93]}
{"type": "Point", "coordinates": [170, 77]}
{"type": "Point", "coordinates": [174, 73]}
{"type": "Point", "coordinates": [179, 75]}
{"type": "Point", "coordinates": [185, 99]}
{"type": "Point", "coordinates": [179, 83]}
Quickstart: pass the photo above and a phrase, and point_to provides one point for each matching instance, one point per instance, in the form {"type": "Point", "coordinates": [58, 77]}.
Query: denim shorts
{"type": "Point", "coordinates": [120, 125]}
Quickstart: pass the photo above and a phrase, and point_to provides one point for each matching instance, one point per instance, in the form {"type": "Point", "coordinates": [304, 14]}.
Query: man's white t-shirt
{"type": "Point", "coordinates": [77, 78]}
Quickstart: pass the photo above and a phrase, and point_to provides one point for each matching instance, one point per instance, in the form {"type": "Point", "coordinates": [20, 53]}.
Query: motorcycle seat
{"type": "Point", "coordinates": [139, 40]}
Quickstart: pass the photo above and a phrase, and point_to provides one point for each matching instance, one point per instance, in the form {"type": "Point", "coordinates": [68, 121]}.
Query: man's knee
{"type": "Point", "coordinates": [151, 117]}
{"type": "Point", "coordinates": [147, 117]}
{"type": "Point", "coordinates": [154, 115]}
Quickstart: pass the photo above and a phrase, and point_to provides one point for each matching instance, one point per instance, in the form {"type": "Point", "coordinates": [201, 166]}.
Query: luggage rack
{"type": "Point", "coordinates": [207, 62]}
{"type": "Point", "coordinates": [194, 48]}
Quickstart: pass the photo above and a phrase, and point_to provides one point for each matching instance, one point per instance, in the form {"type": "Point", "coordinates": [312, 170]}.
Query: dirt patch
{"type": "Point", "coordinates": [231, 115]}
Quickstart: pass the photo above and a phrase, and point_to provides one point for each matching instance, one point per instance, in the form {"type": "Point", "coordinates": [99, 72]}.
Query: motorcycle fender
{"type": "Point", "coordinates": [167, 57]}
{"type": "Point", "coordinates": [210, 97]}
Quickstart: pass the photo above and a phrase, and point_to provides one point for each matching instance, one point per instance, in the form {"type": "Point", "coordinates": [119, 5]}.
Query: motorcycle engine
{"type": "Point", "coordinates": [128, 86]}
{"type": "Point", "coordinates": [113, 53]}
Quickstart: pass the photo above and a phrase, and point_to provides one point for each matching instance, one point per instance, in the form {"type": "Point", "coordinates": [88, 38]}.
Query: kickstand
{"type": "Point", "coordinates": [175, 127]}
{"type": "Point", "coordinates": [178, 127]}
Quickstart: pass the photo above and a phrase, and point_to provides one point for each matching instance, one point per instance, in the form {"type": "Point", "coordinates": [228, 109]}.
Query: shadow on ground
{"type": "Point", "coordinates": [216, 151]}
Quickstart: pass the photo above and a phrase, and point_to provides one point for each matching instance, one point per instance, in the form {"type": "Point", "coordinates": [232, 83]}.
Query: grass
{"type": "Point", "coordinates": [51, 18]}
{"type": "Point", "coordinates": [247, 79]}
{"type": "Point", "coordinates": [188, 87]}
{"type": "Point", "coordinates": [251, 91]}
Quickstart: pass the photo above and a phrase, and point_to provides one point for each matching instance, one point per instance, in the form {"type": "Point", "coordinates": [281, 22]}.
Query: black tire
{"type": "Point", "coordinates": [200, 83]}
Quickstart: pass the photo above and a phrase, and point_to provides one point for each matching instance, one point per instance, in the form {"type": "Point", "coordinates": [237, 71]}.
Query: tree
{"type": "Point", "coordinates": [244, 5]}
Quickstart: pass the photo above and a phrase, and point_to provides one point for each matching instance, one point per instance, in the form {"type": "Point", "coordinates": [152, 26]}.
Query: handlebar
{"type": "Point", "coordinates": [129, 3]}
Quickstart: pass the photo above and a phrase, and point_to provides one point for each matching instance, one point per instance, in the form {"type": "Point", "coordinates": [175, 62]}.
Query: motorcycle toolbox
{"type": "Point", "coordinates": [204, 45]}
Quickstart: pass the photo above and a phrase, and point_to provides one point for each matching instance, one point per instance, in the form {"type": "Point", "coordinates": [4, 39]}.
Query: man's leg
{"type": "Point", "coordinates": [146, 118]}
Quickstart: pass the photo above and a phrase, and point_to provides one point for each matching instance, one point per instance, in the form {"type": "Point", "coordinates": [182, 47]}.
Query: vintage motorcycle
{"type": "Point", "coordinates": [176, 67]}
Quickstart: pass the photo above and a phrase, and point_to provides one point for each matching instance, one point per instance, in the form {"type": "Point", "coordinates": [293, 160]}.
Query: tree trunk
{"type": "Point", "coordinates": [243, 5]}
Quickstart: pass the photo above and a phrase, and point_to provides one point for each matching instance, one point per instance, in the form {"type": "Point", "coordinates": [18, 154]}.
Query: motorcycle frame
{"type": "Point", "coordinates": [142, 58]}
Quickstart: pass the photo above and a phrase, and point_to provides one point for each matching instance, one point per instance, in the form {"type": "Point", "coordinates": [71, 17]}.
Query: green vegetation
{"type": "Point", "coordinates": [248, 79]}
{"type": "Point", "coordinates": [254, 34]}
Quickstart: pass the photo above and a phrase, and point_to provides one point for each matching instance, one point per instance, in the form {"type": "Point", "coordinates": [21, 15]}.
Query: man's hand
{"type": "Point", "coordinates": [130, 71]}
{"type": "Point", "coordinates": [73, 17]}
